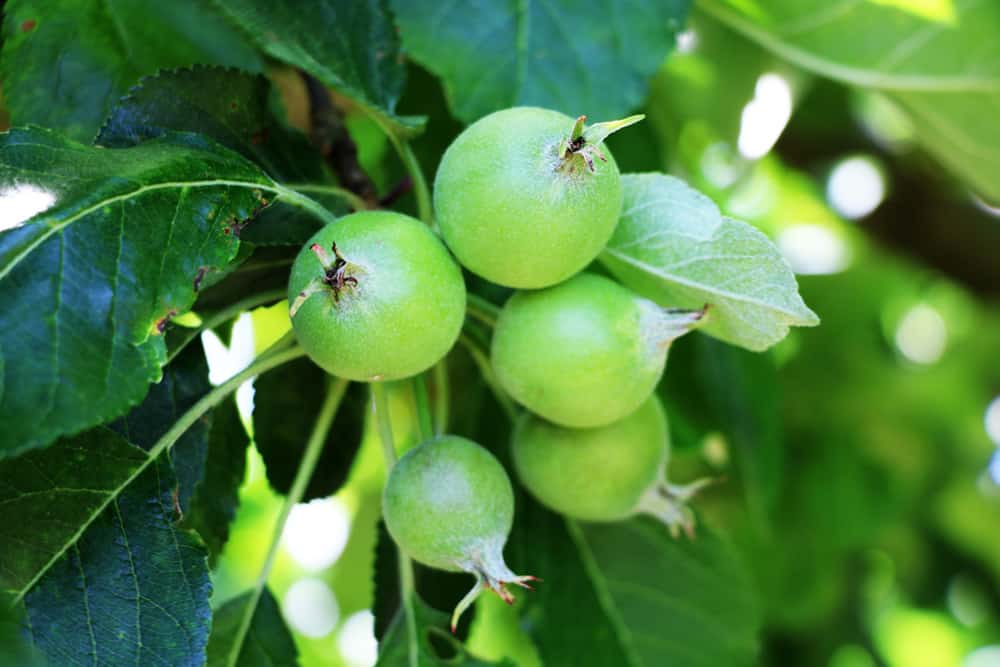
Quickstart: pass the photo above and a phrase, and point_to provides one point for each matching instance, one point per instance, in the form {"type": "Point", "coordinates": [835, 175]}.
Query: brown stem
{"type": "Point", "coordinates": [401, 188]}
{"type": "Point", "coordinates": [330, 136]}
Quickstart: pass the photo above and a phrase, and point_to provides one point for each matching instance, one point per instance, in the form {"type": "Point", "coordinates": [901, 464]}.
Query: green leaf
{"type": "Point", "coordinates": [216, 495]}
{"type": "Point", "coordinates": [184, 381]}
{"type": "Point", "coordinates": [351, 47]}
{"type": "Point", "coordinates": [575, 58]}
{"type": "Point", "coordinates": [133, 589]}
{"type": "Point", "coordinates": [65, 63]}
{"type": "Point", "coordinates": [14, 646]}
{"type": "Point", "coordinates": [209, 460]}
{"type": "Point", "coordinates": [628, 594]}
{"type": "Point", "coordinates": [46, 496]}
{"type": "Point", "coordinates": [742, 391]}
{"type": "Point", "coordinates": [725, 390]}
{"type": "Point", "coordinates": [939, 61]}
{"type": "Point", "coordinates": [268, 643]}
{"type": "Point", "coordinates": [673, 246]}
{"type": "Point", "coordinates": [241, 111]}
{"type": "Point", "coordinates": [428, 644]}
{"type": "Point", "coordinates": [87, 285]}
{"type": "Point", "coordinates": [286, 401]}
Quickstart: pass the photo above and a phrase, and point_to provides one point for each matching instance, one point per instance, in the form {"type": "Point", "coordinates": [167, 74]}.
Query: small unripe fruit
{"type": "Point", "coordinates": [448, 503]}
{"type": "Point", "coordinates": [526, 197]}
{"type": "Point", "coordinates": [376, 296]}
{"type": "Point", "coordinates": [607, 473]}
{"type": "Point", "coordinates": [585, 352]}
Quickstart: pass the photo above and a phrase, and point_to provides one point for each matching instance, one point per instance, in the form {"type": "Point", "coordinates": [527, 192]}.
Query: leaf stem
{"type": "Point", "coordinates": [485, 311]}
{"type": "Point", "coordinates": [483, 362]}
{"type": "Point", "coordinates": [423, 407]}
{"type": "Point", "coordinates": [226, 314]}
{"type": "Point", "coordinates": [442, 389]}
{"type": "Point", "coordinates": [420, 189]}
{"type": "Point", "coordinates": [355, 201]}
{"type": "Point", "coordinates": [314, 447]}
{"type": "Point", "coordinates": [407, 588]}
{"type": "Point", "coordinates": [380, 405]}
{"type": "Point", "coordinates": [300, 200]}
{"type": "Point", "coordinates": [273, 357]}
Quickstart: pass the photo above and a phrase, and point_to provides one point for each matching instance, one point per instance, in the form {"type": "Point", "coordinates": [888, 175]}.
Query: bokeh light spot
{"type": "Point", "coordinates": [356, 640]}
{"type": "Point", "coordinates": [813, 249]}
{"type": "Point", "coordinates": [992, 420]}
{"type": "Point", "coordinates": [316, 533]}
{"type": "Point", "coordinates": [687, 41]}
{"type": "Point", "coordinates": [310, 608]}
{"type": "Point", "coordinates": [987, 656]}
{"type": "Point", "coordinates": [922, 335]}
{"type": "Point", "coordinates": [765, 116]}
{"type": "Point", "coordinates": [856, 187]}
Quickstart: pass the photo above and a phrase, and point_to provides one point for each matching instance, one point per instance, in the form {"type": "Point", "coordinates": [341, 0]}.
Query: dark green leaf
{"type": "Point", "coordinates": [46, 496]}
{"type": "Point", "coordinates": [432, 645]}
{"type": "Point", "coordinates": [184, 381]}
{"type": "Point", "coordinates": [216, 496]}
{"type": "Point", "coordinates": [673, 246]}
{"type": "Point", "coordinates": [241, 111]}
{"type": "Point", "coordinates": [941, 63]}
{"type": "Point", "coordinates": [579, 59]}
{"type": "Point", "coordinates": [65, 62]}
{"type": "Point", "coordinates": [235, 108]}
{"type": "Point", "coordinates": [741, 389]}
{"type": "Point", "coordinates": [351, 47]}
{"type": "Point", "coordinates": [268, 643]}
{"type": "Point", "coordinates": [628, 594]}
{"type": "Point", "coordinates": [718, 388]}
{"type": "Point", "coordinates": [15, 650]}
{"type": "Point", "coordinates": [87, 285]}
{"type": "Point", "coordinates": [133, 589]}
{"type": "Point", "coordinates": [285, 405]}
{"type": "Point", "coordinates": [209, 460]}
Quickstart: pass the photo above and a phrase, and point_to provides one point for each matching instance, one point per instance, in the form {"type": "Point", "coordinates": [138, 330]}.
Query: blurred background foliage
{"type": "Point", "coordinates": [862, 479]}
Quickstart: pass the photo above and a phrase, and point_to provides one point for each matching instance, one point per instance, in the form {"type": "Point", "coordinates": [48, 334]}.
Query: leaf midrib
{"type": "Point", "coordinates": [669, 277]}
{"type": "Point", "coordinates": [256, 368]}
{"type": "Point", "coordinates": [604, 597]}
{"type": "Point", "coordinates": [55, 226]}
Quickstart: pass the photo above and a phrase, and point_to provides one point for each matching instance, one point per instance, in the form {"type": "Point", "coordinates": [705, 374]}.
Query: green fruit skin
{"type": "Point", "coordinates": [449, 504]}
{"type": "Point", "coordinates": [594, 474]}
{"type": "Point", "coordinates": [406, 311]}
{"type": "Point", "coordinates": [506, 211]}
{"type": "Point", "coordinates": [582, 353]}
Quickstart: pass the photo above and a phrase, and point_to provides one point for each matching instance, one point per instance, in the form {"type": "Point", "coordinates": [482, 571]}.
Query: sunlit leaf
{"type": "Point", "coordinates": [673, 246]}
{"type": "Point", "coordinates": [939, 60]}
